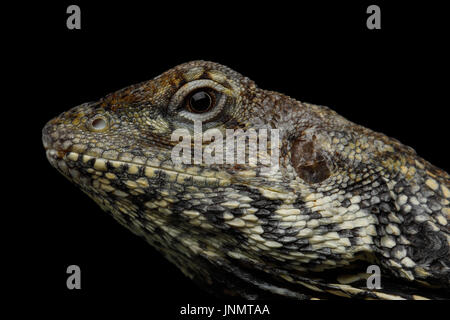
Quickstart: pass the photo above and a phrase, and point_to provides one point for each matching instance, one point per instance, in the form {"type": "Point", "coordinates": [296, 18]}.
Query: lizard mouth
{"type": "Point", "coordinates": [79, 165]}
{"type": "Point", "coordinates": [73, 165]}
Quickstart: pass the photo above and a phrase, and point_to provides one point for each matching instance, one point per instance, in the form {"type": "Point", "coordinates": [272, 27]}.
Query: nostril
{"type": "Point", "coordinates": [98, 123]}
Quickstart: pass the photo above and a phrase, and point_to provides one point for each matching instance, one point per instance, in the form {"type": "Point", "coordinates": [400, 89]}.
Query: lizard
{"type": "Point", "coordinates": [343, 197]}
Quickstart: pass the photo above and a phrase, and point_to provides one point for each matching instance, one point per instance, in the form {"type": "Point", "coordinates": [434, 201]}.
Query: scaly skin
{"type": "Point", "coordinates": [345, 197]}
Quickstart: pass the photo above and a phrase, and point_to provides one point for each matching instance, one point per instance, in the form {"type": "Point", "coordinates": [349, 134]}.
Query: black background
{"type": "Point", "coordinates": [392, 80]}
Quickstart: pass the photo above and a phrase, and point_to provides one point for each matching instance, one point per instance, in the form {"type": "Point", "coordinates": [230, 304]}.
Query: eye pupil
{"type": "Point", "coordinates": [200, 102]}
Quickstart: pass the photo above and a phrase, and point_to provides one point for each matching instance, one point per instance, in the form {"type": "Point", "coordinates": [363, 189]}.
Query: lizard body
{"type": "Point", "coordinates": [344, 196]}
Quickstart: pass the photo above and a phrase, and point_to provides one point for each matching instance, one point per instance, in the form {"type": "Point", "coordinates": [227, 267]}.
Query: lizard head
{"type": "Point", "coordinates": [247, 188]}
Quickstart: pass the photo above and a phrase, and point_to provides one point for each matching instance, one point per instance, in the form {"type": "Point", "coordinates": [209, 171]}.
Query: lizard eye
{"type": "Point", "coordinates": [200, 101]}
